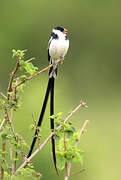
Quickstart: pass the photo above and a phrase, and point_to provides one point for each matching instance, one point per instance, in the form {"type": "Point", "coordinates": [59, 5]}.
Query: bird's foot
{"type": "Point", "coordinates": [62, 59]}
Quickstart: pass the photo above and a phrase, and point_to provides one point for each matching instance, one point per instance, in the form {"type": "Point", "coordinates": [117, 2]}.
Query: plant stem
{"type": "Point", "coordinates": [5, 117]}
{"type": "Point", "coordinates": [66, 164]}
{"type": "Point", "coordinates": [3, 160]}
{"type": "Point", "coordinates": [2, 123]}
{"type": "Point", "coordinates": [10, 143]}
{"type": "Point", "coordinates": [29, 60]}
{"type": "Point", "coordinates": [22, 152]}
{"type": "Point", "coordinates": [76, 144]}
{"type": "Point", "coordinates": [78, 172]}
{"type": "Point", "coordinates": [12, 77]}
{"type": "Point", "coordinates": [11, 124]}
{"type": "Point", "coordinates": [16, 155]}
{"type": "Point", "coordinates": [11, 158]}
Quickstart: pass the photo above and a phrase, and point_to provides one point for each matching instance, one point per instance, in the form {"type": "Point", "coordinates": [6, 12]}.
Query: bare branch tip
{"type": "Point", "coordinates": [78, 172]}
{"type": "Point", "coordinates": [3, 95]}
{"type": "Point", "coordinates": [82, 103]}
{"type": "Point", "coordinates": [29, 60]}
{"type": "Point", "coordinates": [25, 50]}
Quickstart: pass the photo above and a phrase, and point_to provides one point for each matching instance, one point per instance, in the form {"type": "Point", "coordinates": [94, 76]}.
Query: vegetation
{"type": "Point", "coordinates": [13, 146]}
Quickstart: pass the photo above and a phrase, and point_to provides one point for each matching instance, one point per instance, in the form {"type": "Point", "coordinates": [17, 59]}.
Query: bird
{"type": "Point", "coordinates": [57, 48]}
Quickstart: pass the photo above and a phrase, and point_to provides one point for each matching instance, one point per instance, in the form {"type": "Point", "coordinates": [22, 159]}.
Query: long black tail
{"type": "Point", "coordinates": [41, 116]}
{"type": "Point", "coordinates": [52, 121]}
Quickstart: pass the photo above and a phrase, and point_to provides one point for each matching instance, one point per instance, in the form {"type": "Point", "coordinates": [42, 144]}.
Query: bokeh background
{"type": "Point", "coordinates": [91, 71]}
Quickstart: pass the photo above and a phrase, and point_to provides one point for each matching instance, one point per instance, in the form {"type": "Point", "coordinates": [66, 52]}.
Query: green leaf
{"type": "Point", "coordinates": [56, 116]}
{"type": "Point", "coordinates": [22, 78]}
{"type": "Point", "coordinates": [28, 67]}
{"type": "Point", "coordinates": [18, 53]}
{"type": "Point", "coordinates": [1, 107]}
{"type": "Point", "coordinates": [30, 173]}
{"type": "Point", "coordinates": [4, 134]}
{"type": "Point", "coordinates": [78, 156]}
{"type": "Point", "coordinates": [60, 160]}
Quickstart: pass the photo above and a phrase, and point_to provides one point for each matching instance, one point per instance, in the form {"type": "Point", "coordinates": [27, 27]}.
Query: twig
{"type": "Point", "coordinates": [76, 144]}
{"type": "Point", "coordinates": [11, 157]}
{"type": "Point", "coordinates": [3, 95]}
{"type": "Point", "coordinates": [12, 77]}
{"type": "Point", "coordinates": [10, 123]}
{"type": "Point", "coordinates": [11, 149]}
{"type": "Point", "coordinates": [37, 129]}
{"type": "Point", "coordinates": [29, 60]}
{"type": "Point", "coordinates": [37, 150]}
{"type": "Point", "coordinates": [82, 104]}
{"type": "Point", "coordinates": [6, 116]}
{"type": "Point", "coordinates": [15, 162]}
{"type": "Point", "coordinates": [4, 120]}
{"type": "Point", "coordinates": [16, 156]}
{"type": "Point", "coordinates": [3, 160]}
{"type": "Point", "coordinates": [36, 74]}
{"type": "Point", "coordinates": [66, 164]}
{"type": "Point", "coordinates": [77, 172]}
{"type": "Point", "coordinates": [2, 123]}
{"type": "Point", "coordinates": [22, 152]}
{"type": "Point", "coordinates": [81, 131]}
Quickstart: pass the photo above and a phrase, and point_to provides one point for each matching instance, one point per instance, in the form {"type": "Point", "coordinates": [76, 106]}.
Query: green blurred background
{"type": "Point", "coordinates": [91, 71]}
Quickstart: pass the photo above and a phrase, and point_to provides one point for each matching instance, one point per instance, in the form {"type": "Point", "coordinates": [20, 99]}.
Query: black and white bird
{"type": "Point", "coordinates": [57, 48]}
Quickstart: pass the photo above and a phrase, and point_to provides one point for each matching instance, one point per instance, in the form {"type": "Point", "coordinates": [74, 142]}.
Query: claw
{"type": "Point", "coordinates": [62, 59]}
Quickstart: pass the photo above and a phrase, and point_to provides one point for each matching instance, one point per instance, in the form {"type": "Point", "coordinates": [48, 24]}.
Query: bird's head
{"type": "Point", "coordinates": [60, 29]}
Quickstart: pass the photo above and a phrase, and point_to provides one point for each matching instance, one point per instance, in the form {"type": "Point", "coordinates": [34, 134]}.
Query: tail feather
{"type": "Point", "coordinates": [52, 121]}
{"type": "Point", "coordinates": [50, 89]}
{"type": "Point", "coordinates": [41, 117]}
{"type": "Point", "coordinates": [53, 69]}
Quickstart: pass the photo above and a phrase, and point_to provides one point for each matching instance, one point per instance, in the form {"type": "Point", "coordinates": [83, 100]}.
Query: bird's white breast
{"type": "Point", "coordinates": [58, 47]}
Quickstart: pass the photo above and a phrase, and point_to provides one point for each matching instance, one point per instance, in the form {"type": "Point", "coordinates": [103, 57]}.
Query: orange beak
{"type": "Point", "coordinates": [65, 31]}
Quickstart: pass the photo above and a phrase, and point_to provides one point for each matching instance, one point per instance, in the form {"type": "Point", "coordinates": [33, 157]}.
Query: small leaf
{"type": "Point", "coordinates": [1, 107]}
{"type": "Point", "coordinates": [60, 160]}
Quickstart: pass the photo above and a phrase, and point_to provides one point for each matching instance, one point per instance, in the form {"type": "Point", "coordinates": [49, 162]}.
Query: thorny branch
{"type": "Point", "coordinates": [82, 104]}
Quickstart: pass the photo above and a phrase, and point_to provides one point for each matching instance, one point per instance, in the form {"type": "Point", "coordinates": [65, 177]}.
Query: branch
{"type": "Point", "coordinates": [11, 157]}
{"type": "Point", "coordinates": [81, 131]}
{"type": "Point", "coordinates": [2, 123]}
{"type": "Point", "coordinates": [29, 60]}
{"type": "Point", "coordinates": [78, 172]}
{"type": "Point", "coordinates": [3, 160]}
{"type": "Point", "coordinates": [10, 123]}
{"type": "Point", "coordinates": [3, 95]}
{"type": "Point", "coordinates": [12, 76]}
{"type": "Point", "coordinates": [76, 144]}
{"type": "Point", "coordinates": [4, 119]}
{"type": "Point", "coordinates": [82, 104]}
{"type": "Point", "coordinates": [36, 74]}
